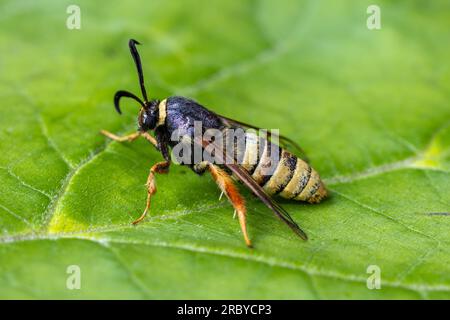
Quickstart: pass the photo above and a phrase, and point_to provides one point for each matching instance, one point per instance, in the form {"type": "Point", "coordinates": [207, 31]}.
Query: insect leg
{"type": "Point", "coordinates": [160, 167]}
{"type": "Point", "coordinates": [149, 138]}
{"type": "Point", "coordinates": [227, 186]}
{"type": "Point", "coordinates": [130, 137]}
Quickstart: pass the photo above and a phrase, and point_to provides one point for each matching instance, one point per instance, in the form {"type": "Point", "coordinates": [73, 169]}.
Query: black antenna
{"type": "Point", "coordinates": [122, 93]}
{"type": "Point", "coordinates": [137, 60]}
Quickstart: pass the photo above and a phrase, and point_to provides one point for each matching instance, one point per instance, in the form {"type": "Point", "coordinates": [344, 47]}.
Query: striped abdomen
{"type": "Point", "coordinates": [280, 172]}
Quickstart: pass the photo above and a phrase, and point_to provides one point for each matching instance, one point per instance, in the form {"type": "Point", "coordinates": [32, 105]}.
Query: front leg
{"type": "Point", "coordinates": [160, 167]}
{"type": "Point", "coordinates": [130, 137]}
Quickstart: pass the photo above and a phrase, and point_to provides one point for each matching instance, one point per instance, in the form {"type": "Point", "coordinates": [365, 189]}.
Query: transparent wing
{"type": "Point", "coordinates": [285, 142]}
{"type": "Point", "coordinates": [250, 183]}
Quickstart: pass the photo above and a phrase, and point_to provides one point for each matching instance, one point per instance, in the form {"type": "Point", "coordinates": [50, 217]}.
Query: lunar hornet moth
{"type": "Point", "coordinates": [287, 175]}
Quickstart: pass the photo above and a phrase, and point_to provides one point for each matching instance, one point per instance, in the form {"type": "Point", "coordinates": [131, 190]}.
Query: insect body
{"type": "Point", "coordinates": [251, 162]}
{"type": "Point", "coordinates": [288, 176]}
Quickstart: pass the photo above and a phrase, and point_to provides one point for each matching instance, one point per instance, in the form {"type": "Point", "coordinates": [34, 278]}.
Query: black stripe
{"type": "Point", "coordinates": [304, 182]}
{"type": "Point", "coordinates": [314, 189]}
{"type": "Point", "coordinates": [291, 162]}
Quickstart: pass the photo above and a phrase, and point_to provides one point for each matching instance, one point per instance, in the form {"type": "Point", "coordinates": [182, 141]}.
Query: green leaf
{"type": "Point", "coordinates": [370, 107]}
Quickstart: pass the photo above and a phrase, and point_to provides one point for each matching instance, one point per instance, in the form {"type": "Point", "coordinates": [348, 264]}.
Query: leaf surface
{"type": "Point", "coordinates": [371, 108]}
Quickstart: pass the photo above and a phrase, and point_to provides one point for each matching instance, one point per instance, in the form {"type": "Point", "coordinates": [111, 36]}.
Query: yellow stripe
{"type": "Point", "coordinates": [251, 151]}
{"type": "Point", "coordinates": [301, 173]}
{"type": "Point", "coordinates": [264, 162]}
{"type": "Point", "coordinates": [281, 174]}
{"type": "Point", "coordinates": [312, 185]}
{"type": "Point", "coordinates": [162, 113]}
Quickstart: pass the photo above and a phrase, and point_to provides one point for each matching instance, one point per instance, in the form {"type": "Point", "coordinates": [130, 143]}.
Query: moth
{"type": "Point", "coordinates": [265, 175]}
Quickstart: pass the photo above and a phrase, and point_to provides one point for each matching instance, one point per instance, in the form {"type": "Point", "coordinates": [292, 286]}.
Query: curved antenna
{"type": "Point", "coordinates": [137, 60]}
{"type": "Point", "coordinates": [120, 94]}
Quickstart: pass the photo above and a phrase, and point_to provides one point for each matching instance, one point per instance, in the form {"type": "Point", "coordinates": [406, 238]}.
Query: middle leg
{"type": "Point", "coordinates": [160, 167]}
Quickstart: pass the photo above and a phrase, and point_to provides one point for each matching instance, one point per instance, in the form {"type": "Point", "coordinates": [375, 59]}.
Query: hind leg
{"type": "Point", "coordinates": [227, 186]}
